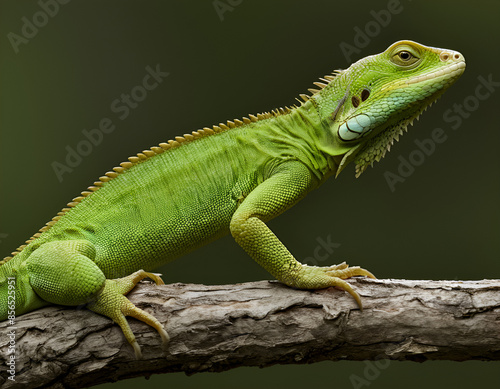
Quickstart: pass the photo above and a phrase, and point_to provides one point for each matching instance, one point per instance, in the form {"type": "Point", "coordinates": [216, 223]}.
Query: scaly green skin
{"type": "Point", "coordinates": [175, 198]}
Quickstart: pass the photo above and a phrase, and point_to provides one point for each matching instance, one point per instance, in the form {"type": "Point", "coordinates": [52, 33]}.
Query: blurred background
{"type": "Point", "coordinates": [64, 68]}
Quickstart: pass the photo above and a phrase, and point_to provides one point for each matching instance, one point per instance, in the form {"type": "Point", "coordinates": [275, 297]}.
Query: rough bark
{"type": "Point", "coordinates": [216, 328]}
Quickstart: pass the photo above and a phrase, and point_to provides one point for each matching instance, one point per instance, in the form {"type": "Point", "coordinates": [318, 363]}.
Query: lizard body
{"type": "Point", "coordinates": [231, 178]}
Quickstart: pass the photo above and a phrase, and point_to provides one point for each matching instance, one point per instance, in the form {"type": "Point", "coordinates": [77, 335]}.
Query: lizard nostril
{"type": "Point", "coordinates": [444, 57]}
{"type": "Point", "coordinates": [456, 56]}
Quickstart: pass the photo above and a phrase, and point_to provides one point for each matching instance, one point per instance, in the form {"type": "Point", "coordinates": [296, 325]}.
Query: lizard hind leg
{"type": "Point", "coordinates": [63, 272]}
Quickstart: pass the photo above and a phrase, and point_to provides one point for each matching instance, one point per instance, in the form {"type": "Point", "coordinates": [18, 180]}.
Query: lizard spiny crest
{"type": "Point", "coordinates": [145, 155]}
{"type": "Point", "coordinates": [324, 82]}
{"type": "Point", "coordinates": [377, 147]}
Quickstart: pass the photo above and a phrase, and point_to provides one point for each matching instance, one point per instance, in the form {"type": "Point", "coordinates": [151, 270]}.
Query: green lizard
{"type": "Point", "coordinates": [234, 177]}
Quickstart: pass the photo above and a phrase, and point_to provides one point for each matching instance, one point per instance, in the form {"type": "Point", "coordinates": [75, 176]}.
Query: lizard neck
{"type": "Point", "coordinates": [314, 139]}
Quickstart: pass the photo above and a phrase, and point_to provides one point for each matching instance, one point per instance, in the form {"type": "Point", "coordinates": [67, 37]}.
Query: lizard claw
{"type": "Point", "coordinates": [112, 303]}
{"type": "Point", "coordinates": [314, 277]}
{"type": "Point", "coordinates": [344, 271]}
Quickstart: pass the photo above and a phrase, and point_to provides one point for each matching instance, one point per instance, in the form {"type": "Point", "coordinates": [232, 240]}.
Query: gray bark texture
{"type": "Point", "coordinates": [216, 328]}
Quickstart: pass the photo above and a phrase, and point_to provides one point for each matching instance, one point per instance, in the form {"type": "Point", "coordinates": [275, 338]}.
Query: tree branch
{"type": "Point", "coordinates": [216, 328]}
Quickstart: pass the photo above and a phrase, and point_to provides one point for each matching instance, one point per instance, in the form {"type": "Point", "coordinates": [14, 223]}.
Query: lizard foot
{"type": "Point", "coordinates": [111, 302]}
{"type": "Point", "coordinates": [314, 277]}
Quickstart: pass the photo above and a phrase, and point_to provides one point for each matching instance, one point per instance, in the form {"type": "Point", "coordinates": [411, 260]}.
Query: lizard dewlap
{"type": "Point", "coordinates": [230, 178]}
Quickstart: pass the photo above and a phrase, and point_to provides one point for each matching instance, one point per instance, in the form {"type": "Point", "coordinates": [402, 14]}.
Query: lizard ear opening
{"type": "Point", "coordinates": [365, 93]}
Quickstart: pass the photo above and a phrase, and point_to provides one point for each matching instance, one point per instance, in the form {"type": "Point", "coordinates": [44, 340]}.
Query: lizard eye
{"type": "Point", "coordinates": [404, 58]}
{"type": "Point", "coordinates": [405, 55]}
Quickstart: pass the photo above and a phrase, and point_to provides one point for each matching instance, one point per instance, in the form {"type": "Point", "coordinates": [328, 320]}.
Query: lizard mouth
{"type": "Point", "coordinates": [450, 73]}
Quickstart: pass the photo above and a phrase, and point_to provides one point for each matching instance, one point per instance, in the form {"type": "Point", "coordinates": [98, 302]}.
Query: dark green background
{"type": "Point", "coordinates": [441, 223]}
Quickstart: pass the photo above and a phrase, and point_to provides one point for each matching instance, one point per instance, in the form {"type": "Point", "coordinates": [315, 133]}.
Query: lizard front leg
{"type": "Point", "coordinates": [291, 182]}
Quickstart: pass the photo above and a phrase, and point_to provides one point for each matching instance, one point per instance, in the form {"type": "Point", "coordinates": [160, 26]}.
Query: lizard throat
{"type": "Point", "coordinates": [377, 147]}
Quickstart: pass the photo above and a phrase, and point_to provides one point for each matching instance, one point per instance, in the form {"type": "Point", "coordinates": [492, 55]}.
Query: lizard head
{"type": "Point", "coordinates": [383, 94]}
